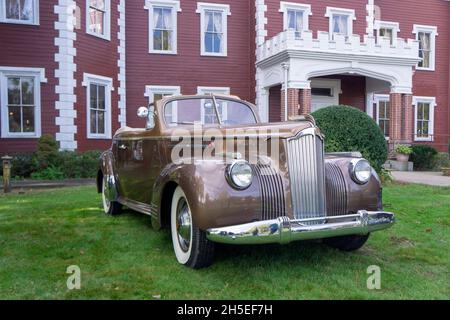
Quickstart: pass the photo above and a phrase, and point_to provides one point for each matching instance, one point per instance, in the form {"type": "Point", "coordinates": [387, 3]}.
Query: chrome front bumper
{"type": "Point", "coordinates": [284, 230]}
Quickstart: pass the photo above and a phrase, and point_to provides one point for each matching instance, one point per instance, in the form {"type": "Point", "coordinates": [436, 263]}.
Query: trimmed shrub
{"type": "Point", "coordinates": [349, 129]}
{"type": "Point", "coordinates": [46, 154]}
{"type": "Point", "coordinates": [79, 165]}
{"type": "Point", "coordinates": [423, 157]}
{"type": "Point", "coordinates": [448, 146]}
{"type": "Point", "coordinates": [22, 165]}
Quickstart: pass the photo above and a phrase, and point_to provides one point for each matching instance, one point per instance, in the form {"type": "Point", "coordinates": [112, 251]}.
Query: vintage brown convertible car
{"type": "Point", "coordinates": [217, 187]}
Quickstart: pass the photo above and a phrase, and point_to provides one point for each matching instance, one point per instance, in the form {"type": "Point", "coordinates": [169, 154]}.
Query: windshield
{"type": "Point", "coordinates": [202, 110]}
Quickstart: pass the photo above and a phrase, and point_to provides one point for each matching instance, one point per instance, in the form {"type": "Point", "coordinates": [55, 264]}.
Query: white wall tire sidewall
{"type": "Point", "coordinates": [106, 204]}
{"type": "Point", "coordinates": [182, 257]}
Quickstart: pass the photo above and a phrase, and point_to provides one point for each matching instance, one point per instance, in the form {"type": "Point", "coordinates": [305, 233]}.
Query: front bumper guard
{"type": "Point", "coordinates": [284, 230]}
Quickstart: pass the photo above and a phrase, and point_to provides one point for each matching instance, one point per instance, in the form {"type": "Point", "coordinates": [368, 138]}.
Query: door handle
{"type": "Point", "coordinates": [122, 147]}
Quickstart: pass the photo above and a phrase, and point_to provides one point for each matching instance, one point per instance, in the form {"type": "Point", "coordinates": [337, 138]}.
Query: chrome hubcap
{"type": "Point", "coordinates": [183, 225]}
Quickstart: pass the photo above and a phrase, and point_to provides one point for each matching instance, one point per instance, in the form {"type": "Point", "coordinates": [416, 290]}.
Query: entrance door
{"type": "Point", "coordinates": [324, 93]}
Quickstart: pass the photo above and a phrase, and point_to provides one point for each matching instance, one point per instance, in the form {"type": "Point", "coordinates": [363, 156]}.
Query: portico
{"type": "Point", "coordinates": [310, 73]}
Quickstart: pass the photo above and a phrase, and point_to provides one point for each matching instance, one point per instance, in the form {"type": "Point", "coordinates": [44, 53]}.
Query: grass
{"type": "Point", "coordinates": [42, 233]}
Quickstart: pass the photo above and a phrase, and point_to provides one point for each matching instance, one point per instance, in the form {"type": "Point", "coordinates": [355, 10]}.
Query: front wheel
{"type": "Point", "coordinates": [109, 207]}
{"type": "Point", "coordinates": [190, 244]}
{"type": "Point", "coordinates": [347, 243]}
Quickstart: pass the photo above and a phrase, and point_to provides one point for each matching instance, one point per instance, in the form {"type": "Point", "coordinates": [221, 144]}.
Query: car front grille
{"type": "Point", "coordinates": [272, 194]}
{"type": "Point", "coordinates": [336, 191]}
{"type": "Point", "coordinates": [306, 171]}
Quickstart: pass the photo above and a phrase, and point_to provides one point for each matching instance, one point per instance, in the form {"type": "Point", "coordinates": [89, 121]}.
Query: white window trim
{"type": "Point", "coordinates": [107, 35]}
{"type": "Point", "coordinates": [417, 28]}
{"type": "Point", "coordinates": [213, 90]}
{"type": "Point", "coordinates": [225, 8]}
{"type": "Point", "coordinates": [89, 78]}
{"type": "Point", "coordinates": [151, 90]}
{"type": "Point", "coordinates": [305, 8]}
{"type": "Point", "coordinates": [35, 21]}
{"type": "Point", "coordinates": [342, 11]}
{"type": "Point", "coordinates": [175, 6]}
{"type": "Point", "coordinates": [377, 98]}
{"type": "Point", "coordinates": [395, 26]}
{"type": "Point", "coordinates": [39, 77]}
{"type": "Point", "coordinates": [433, 105]}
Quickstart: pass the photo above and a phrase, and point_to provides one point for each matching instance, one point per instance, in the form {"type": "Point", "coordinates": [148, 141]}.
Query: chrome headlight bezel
{"type": "Point", "coordinates": [231, 175]}
{"type": "Point", "coordinates": [355, 166]}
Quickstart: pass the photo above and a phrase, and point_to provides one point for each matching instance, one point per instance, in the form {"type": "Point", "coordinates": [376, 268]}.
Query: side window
{"type": "Point", "coordinates": [424, 118]}
{"type": "Point", "coordinates": [341, 21]}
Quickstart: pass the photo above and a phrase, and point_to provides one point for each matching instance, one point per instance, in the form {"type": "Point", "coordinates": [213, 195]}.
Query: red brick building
{"type": "Point", "coordinates": [78, 69]}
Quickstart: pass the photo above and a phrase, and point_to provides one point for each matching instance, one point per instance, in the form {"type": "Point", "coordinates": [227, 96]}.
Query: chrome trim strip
{"type": "Point", "coordinates": [284, 230]}
{"type": "Point", "coordinates": [137, 206]}
{"type": "Point", "coordinates": [306, 171]}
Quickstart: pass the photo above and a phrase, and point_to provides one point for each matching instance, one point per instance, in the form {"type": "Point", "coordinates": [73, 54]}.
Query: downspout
{"type": "Point", "coordinates": [285, 66]}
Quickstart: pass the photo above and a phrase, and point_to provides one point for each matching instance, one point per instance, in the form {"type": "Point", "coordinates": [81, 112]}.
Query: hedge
{"type": "Point", "coordinates": [349, 129]}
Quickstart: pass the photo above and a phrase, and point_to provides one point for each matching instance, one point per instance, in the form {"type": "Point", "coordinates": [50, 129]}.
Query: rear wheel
{"type": "Point", "coordinates": [109, 207]}
{"type": "Point", "coordinates": [347, 243]}
{"type": "Point", "coordinates": [190, 244]}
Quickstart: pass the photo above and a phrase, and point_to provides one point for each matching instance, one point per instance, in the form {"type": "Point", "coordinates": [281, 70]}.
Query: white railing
{"type": "Point", "coordinates": [288, 40]}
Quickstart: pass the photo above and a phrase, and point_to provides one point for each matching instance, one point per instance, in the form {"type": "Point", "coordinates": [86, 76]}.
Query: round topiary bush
{"type": "Point", "coordinates": [349, 129]}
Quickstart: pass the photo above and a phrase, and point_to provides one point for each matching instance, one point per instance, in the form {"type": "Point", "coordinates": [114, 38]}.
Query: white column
{"type": "Point", "coordinates": [261, 33]}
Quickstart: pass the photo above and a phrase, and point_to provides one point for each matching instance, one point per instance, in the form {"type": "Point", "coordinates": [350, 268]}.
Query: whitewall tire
{"type": "Point", "coordinates": [190, 244]}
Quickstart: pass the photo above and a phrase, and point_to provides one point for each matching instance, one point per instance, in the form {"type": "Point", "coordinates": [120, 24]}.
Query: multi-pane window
{"type": "Point", "coordinates": [21, 104]}
{"type": "Point", "coordinates": [387, 33]}
{"type": "Point", "coordinates": [423, 120]}
{"type": "Point", "coordinates": [424, 49]}
{"type": "Point", "coordinates": [426, 35]}
{"type": "Point", "coordinates": [97, 106]}
{"type": "Point", "coordinates": [20, 10]}
{"type": "Point", "coordinates": [163, 29]}
{"type": "Point", "coordinates": [98, 18]}
{"type": "Point", "coordinates": [383, 116]}
{"type": "Point", "coordinates": [340, 24]}
{"type": "Point", "coordinates": [341, 21]}
{"type": "Point", "coordinates": [214, 31]}
{"type": "Point", "coordinates": [213, 28]}
{"type": "Point", "coordinates": [295, 21]}
{"type": "Point", "coordinates": [98, 94]}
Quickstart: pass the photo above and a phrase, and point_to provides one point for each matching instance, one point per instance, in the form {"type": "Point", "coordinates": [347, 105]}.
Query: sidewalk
{"type": "Point", "coordinates": [428, 178]}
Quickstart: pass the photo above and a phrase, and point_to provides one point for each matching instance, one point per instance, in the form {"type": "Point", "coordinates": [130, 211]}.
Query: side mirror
{"type": "Point", "coordinates": [142, 112]}
{"type": "Point", "coordinates": [149, 114]}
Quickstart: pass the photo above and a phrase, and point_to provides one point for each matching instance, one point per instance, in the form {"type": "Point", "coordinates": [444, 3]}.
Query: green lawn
{"type": "Point", "coordinates": [42, 233]}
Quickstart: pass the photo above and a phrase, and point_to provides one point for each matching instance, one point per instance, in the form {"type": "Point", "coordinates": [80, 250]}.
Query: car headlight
{"type": "Point", "coordinates": [239, 174]}
{"type": "Point", "coordinates": [360, 170]}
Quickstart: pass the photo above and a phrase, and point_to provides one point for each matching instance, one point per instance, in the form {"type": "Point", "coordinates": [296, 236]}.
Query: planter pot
{"type": "Point", "coordinates": [446, 172]}
{"type": "Point", "coordinates": [402, 157]}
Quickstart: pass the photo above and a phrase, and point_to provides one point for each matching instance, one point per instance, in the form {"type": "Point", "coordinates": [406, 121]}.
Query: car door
{"type": "Point", "coordinates": [122, 149]}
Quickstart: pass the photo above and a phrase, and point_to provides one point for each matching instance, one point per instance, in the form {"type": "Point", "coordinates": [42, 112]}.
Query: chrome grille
{"type": "Point", "coordinates": [336, 191]}
{"type": "Point", "coordinates": [272, 195]}
{"type": "Point", "coordinates": [306, 171]}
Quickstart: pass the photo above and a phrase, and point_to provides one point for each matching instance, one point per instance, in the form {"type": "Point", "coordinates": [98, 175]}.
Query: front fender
{"type": "Point", "coordinates": [107, 172]}
{"type": "Point", "coordinates": [213, 202]}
